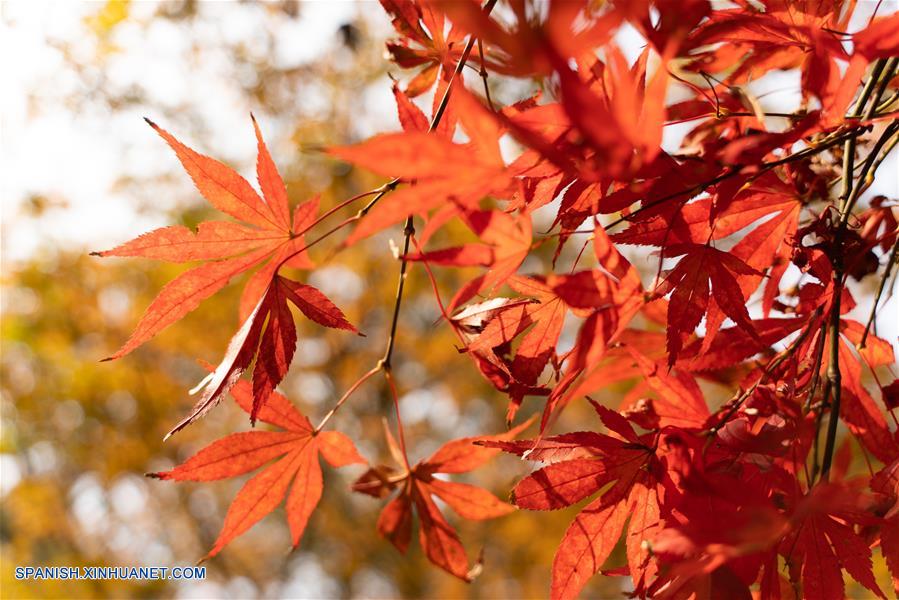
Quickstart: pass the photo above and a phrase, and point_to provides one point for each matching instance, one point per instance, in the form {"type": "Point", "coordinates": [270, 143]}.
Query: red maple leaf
{"type": "Point", "coordinates": [592, 461]}
{"type": "Point", "coordinates": [267, 235]}
{"type": "Point", "coordinates": [420, 159]}
{"type": "Point", "coordinates": [418, 486]}
{"type": "Point", "coordinates": [423, 43]}
{"type": "Point", "coordinates": [702, 268]}
{"type": "Point", "coordinates": [298, 447]}
{"type": "Point", "coordinates": [823, 542]}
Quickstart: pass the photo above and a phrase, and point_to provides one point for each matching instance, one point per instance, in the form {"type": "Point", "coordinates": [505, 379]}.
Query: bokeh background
{"type": "Point", "coordinates": [81, 171]}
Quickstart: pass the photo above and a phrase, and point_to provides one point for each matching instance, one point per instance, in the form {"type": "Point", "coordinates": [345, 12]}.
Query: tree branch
{"type": "Point", "coordinates": [849, 195]}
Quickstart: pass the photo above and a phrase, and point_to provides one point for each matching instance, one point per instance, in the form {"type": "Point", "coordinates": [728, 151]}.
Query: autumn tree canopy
{"type": "Point", "coordinates": [732, 257]}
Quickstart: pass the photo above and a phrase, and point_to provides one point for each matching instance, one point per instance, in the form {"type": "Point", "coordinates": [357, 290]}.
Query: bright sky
{"type": "Point", "coordinates": [75, 153]}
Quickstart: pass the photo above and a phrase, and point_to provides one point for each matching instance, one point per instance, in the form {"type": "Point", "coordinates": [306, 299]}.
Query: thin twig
{"type": "Point", "coordinates": [866, 176]}
{"type": "Point", "coordinates": [889, 70]}
{"type": "Point", "coordinates": [698, 188]}
{"type": "Point", "coordinates": [880, 288]}
{"type": "Point", "coordinates": [401, 283]}
{"type": "Point", "coordinates": [890, 146]}
{"type": "Point", "coordinates": [483, 73]}
{"type": "Point", "coordinates": [883, 105]}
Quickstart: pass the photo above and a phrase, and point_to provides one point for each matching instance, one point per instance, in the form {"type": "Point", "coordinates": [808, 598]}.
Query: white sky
{"type": "Point", "coordinates": [76, 154]}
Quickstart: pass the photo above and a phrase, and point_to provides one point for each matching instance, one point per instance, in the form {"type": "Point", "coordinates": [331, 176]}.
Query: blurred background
{"type": "Point", "coordinates": [81, 171]}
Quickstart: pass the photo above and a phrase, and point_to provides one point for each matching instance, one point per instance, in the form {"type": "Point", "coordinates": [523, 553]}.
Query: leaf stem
{"type": "Point", "coordinates": [400, 430]}
{"type": "Point", "coordinates": [346, 396]}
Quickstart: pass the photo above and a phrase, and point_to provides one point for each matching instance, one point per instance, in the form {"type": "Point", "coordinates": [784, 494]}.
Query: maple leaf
{"type": "Point", "coordinates": [592, 131]}
{"type": "Point", "coordinates": [726, 211]}
{"type": "Point", "coordinates": [297, 448]}
{"type": "Point", "coordinates": [229, 249]}
{"type": "Point", "coordinates": [625, 118]}
{"type": "Point", "coordinates": [781, 37]}
{"type": "Point", "coordinates": [411, 117]}
{"type": "Point", "coordinates": [529, 44]}
{"type": "Point", "coordinates": [823, 543]}
{"type": "Point", "coordinates": [765, 247]}
{"type": "Point", "coordinates": [678, 399]}
{"type": "Point", "coordinates": [487, 329]}
{"type": "Point", "coordinates": [423, 43]}
{"type": "Point", "coordinates": [733, 344]}
{"type": "Point", "coordinates": [627, 463]}
{"type": "Point", "coordinates": [418, 486]}
{"type": "Point", "coordinates": [722, 523]}
{"type": "Point", "coordinates": [859, 411]}
{"type": "Point", "coordinates": [539, 323]}
{"type": "Point", "coordinates": [538, 346]}
{"type": "Point", "coordinates": [270, 335]}
{"type": "Point", "coordinates": [421, 159]}
{"type": "Point", "coordinates": [891, 395]}
{"type": "Point", "coordinates": [689, 284]}
{"type": "Point", "coordinates": [506, 242]}
{"type": "Point", "coordinates": [880, 223]}
{"type": "Point", "coordinates": [609, 296]}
